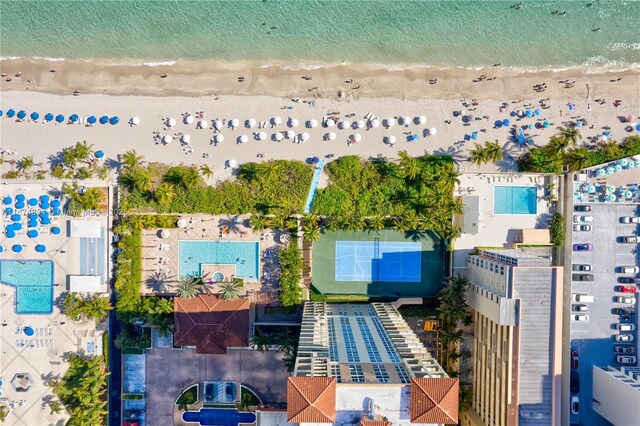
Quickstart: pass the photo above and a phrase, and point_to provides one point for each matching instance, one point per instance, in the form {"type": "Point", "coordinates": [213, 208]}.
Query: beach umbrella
{"type": "Point", "coordinates": [422, 119]}
{"type": "Point", "coordinates": [56, 211]}
{"type": "Point", "coordinates": [34, 116]}
{"type": "Point", "coordinates": [304, 136]}
{"type": "Point", "coordinates": [92, 119]}
{"type": "Point", "coordinates": [406, 120]}
{"type": "Point", "coordinates": [44, 197]}
{"type": "Point", "coordinates": [1, 250]}
{"type": "Point", "coordinates": [186, 138]}
{"type": "Point", "coordinates": [579, 123]}
{"type": "Point", "coordinates": [44, 204]}
{"type": "Point", "coordinates": [358, 124]}
{"type": "Point", "coordinates": [312, 123]}
{"type": "Point", "coordinates": [276, 120]}
{"type": "Point", "coordinates": [607, 133]}
{"type": "Point", "coordinates": [167, 139]}
{"type": "Point", "coordinates": [261, 136]}
{"type": "Point", "coordinates": [218, 138]}
{"type": "Point", "coordinates": [519, 113]}
{"type": "Point", "coordinates": [10, 232]}
{"type": "Point", "coordinates": [357, 137]}
{"type": "Point", "coordinates": [32, 224]}
{"type": "Point", "coordinates": [528, 113]}
{"type": "Point", "coordinates": [16, 248]}
{"type": "Point", "coordinates": [217, 124]}
{"type": "Point", "coordinates": [610, 170]}
{"type": "Point", "coordinates": [73, 118]}
{"type": "Point", "coordinates": [497, 124]}
{"type": "Point", "coordinates": [16, 217]}
{"type": "Point", "coordinates": [545, 124]}
{"type": "Point", "coordinates": [375, 123]}
{"type": "Point", "coordinates": [114, 120]}
{"type": "Point", "coordinates": [592, 188]}
{"type": "Point", "coordinates": [32, 233]}
{"type": "Point", "coordinates": [232, 163]}
{"type": "Point", "coordinates": [22, 114]}
{"type": "Point", "coordinates": [19, 204]}
{"type": "Point", "coordinates": [638, 127]}
{"type": "Point", "coordinates": [32, 202]}
{"type": "Point", "coordinates": [391, 139]}
{"type": "Point", "coordinates": [40, 248]}
{"type": "Point", "coordinates": [600, 172]}
{"type": "Point", "coordinates": [628, 194]}
{"type": "Point", "coordinates": [536, 111]}
{"type": "Point", "coordinates": [632, 164]}
{"type": "Point", "coordinates": [11, 113]}
{"type": "Point", "coordinates": [104, 119]}
{"type": "Point", "coordinates": [20, 197]}
{"type": "Point", "coordinates": [99, 154]}
{"type": "Point", "coordinates": [135, 120]}
{"type": "Point", "coordinates": [290, 134]}
{"type": "Point", "coordinates": [7, 200]}
{"type": "Point", "coordinates": [48, 116]}
{"type": "Point", "coordinates": [474, 136]}
{"type": "Point", "coordinates": [331, 136]}
{"type": "Point", "coordinates": [389, 122]}
{"type": "Point", "coordinates": [45, 220]}
{"type": "Point", "coordinates": [8, 211]}
{"type": "Point", "coordinates": [171, 122]}
{"type": "Point", "coordinates": [611, 189]}
{"type": "Point", "coordinates": [55, 230]}
{"type": "Point", "coordinates": [506, 122]}
{"type": "Point", "coordinates": [0, 116]}
{"type": "Point", "coordinates": [59, 118]}
{"type": "Point", "coordinates": [433, 131]}
{"type": "Point", "coordinates": [55, 203]}
{"type": "Point", "coordinates": [618, 168]}
{"type": "Point", "coordinates": [33, 216]}
{"type": "Point", "coordinates": [181, 223]}
{"type": "Point", "coordinates": [345, 124]}
{"type": "Point", "coordinates": [234, 123]}
{"type": "Point", "coordinates": [630, 118]}
{"type": "Point", "coordinates": [293, 122]}
{"type": "Point", "coordinates": [330, 122]}
{"type": "Point", "coordinates": [203, 124]}
{"type": "Point", "coordinates": [278, 136]}
{"type": "Point", "coordinates": [243, 139]}
{"type": "Point", "coordinates": [250, 123]}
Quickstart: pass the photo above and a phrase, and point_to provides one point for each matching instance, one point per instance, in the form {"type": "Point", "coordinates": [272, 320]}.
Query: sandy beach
{"type": "Point", "coordinates": [383, 93]}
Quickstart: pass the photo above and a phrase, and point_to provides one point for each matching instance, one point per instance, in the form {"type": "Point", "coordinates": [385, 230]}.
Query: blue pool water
{"type": "Point", "coordinates": [515, 200]}
{"type": "Point", "coordinates": [314, 186]}
{"type": "Point", "coordinates": [218, 416]}
{"type": "Point", "coordinates": [245, 255]}
{"type": "Point", "coordinates": [33, 280]}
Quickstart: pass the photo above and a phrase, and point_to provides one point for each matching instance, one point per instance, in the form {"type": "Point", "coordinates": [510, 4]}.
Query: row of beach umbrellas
{"type": "Point", "coordinates": [60, 118]}
{"type": "Point", "coordinates": [17, 248]}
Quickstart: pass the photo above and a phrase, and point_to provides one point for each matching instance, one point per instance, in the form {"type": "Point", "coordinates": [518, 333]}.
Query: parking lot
{"type": "Point", "coordinates": [594, 339]}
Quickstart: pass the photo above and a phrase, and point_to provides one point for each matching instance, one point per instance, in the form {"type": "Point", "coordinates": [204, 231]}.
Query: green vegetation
{"type": "Point", "coordinates": [490, 153]}
{"type": "Point", "coordinates": [453, 313]}
{"type": "Point", "coordinates": [418, 311]}
{"type": "Point", "coordinates": [281, 310]}
{"type": "Point", "coordinates": [83, 391]}
{"type": "Point", "coordinates": [132, 337]}
{"type": "Point", "coordinates": [105, 346]}
{"type": "Point", "coordinates": [127, 396]}
{"type": "Point", "coordinates": [557, 230]}
{"type": "Point", "coordinates": [291, 266]}
{"type": "Point", "coordinates": [188, 397]}
{"type": "Point", "coordinates": [94, 307]}
{"type": "Point", "coordinates": [286, 338]}
{"type": "Point", "coordinates": [247, 399]}
{"type": "Point", "coordinates": [561, 151]}
{"type": "Point", "coordinates": [85, 199]}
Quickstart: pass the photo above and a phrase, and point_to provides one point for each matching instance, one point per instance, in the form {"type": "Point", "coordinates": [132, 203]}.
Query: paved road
{"type": "Point", "coordinates": [594, 339]}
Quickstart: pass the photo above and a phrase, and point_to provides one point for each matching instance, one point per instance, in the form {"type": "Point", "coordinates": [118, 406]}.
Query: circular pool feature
{"type": "Point", "coordinates": [217, 277]}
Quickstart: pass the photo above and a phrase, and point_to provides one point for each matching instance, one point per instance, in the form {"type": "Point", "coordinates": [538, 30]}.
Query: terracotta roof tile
{"type": "Point", "coordinates": [311, 399]}
{"type": "Point", "coordinates": [364, 422]}
{"type": "Point", "coordinates": [211, 324]}
{"type": "Point", "coordinates": [434, 400]}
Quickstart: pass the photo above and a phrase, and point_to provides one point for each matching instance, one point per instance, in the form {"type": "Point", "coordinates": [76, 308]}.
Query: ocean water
{"type": "Point", "coordinates": [464, 33]}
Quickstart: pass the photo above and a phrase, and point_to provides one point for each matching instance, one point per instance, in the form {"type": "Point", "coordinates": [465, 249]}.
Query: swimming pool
{"type": "Point", "coordinates": [244, 255]}
{"type": "Point", "coordinates": [33, 280]}
{"type": "Point", "coordinates": [515, 200]}
{"type": "Point", "coordinates": [218, 416]}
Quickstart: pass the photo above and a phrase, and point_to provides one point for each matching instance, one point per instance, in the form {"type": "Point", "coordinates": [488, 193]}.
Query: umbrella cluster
{"type": "Point", "coordinates": [34, 221]}
{"type": "Point", "coordinates": [61, 118]}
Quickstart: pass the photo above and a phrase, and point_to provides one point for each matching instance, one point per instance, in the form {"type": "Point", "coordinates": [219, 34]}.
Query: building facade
{"type": "Point", "coordinates": [616, 394]}
{"type": "Point", "coordinates": [516, 300]}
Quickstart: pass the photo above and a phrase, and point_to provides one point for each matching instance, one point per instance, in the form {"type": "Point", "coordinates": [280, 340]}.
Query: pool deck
{"type": "Point", "coordinates": [43, 354]}
{"type": "Point", "coordinates": [161, 256]}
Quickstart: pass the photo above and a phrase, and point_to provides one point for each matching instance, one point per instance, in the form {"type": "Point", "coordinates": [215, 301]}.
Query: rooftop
{"type": "Point", "coordinates": [311, 399]}
{"type": "Point", "coordinates": [434, 400]}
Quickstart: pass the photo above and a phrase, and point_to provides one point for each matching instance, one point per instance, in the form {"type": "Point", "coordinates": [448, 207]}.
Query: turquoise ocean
{"type": "Point", "coordinates": [453, 33]}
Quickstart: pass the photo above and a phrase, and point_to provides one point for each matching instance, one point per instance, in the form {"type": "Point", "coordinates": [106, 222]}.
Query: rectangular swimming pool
{"type": "Point", "coordinates": [33, 280]}
{"type": "Point", "coordinates": [244, 255]}
{"type": "Point", "coordinates": [515, 200]}
{"type": "Point", "coordinates": [218, 417]}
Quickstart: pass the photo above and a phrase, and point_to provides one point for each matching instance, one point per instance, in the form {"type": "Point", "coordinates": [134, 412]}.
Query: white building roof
{"type": "Point", "coordinates": [86, 284]}
{"type": "Point", "coordinates": [85, 229]}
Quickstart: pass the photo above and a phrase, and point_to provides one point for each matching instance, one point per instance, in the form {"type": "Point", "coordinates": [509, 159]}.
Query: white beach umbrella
{"type": "Point", "coordinates": [330, 122]}
{"type": "Point", "coordinates": [357, 137]}
{"type": "Point", "coordinates": [250, 123]}
{"type": "Point", "coordinates": [406, 120]}
{"type": "Point", "coordinates": [276, 120]}
{"type": "Point", "coordinates": [167, 139]}
{"type": "Point", "coordinates": [389, 122]}
{"type": "Point", "coordinates": [203, 124]}
{"type": "Point", "coordinates": [235, 122]}
{"type": "Point", "coordinates": [312, 123]}
{"type": "Point", "coordinates": [135, 121]}
{"type": "Point", "coordinates": [390, 139]}
{"type": "Point", "coordinates": [232, 163]}
{"type": "Point", "coordinates": [358, 124]}
{"type": "Point", "coordinates": [165, 233]}
{"type": "Point", "coordinates": [375, 122]}
{"type": "Point", "coordinates": [304, 136]}
{"type": "Point", "coordinates": [293, 122]}
{"type": "Point", "coordinates": [433, 131]}
{"type": "Point", "coordinates": [290, 134]}
{"type": "Point", "coordinates": [345, 124]}
{"type": "Point", "coordinates": [261, 136]}
{"type": "Point", "coordinates": [277, 136]}
{"type": "Point", "coordinates": [188, 119]}
{"type": "Point", "coordinates": [217, 124]}
{"type": "Point", "coordinates": [421, 119]}
{"type": "Point", "coordinates": [186, 138]}
{"type": "Point", "coordinates": [243, 139]}
{"type": "Point", "coordinates": [171, 122]}
{"type": "Point", "coordinates": [218, 138]}
{"type": "Point", "coordinates": [331, 136]}
{"type": "Point", "coordinates": [182, 223]}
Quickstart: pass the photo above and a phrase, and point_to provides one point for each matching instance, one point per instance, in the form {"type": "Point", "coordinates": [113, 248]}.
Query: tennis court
{"type": "Point", "coordinates": [379, 264]}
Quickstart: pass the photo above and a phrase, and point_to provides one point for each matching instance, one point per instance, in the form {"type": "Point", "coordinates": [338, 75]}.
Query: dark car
{"type": "Point", "coordinates": [574, 360]}
{"type": "Point", "coordinates": [582, 277]}
{"type": "Point", "coordinates": [575, 382]}
{"type": "Point", "coordinates": [583, 247]}
{"type": "Point", "coordinates": [208, 392]}
{"type": "Point", "coordinates": [582, 208]}
{"type": "Point", "coordinates": [582, 267]}
{"type": "Point", "coordinates": [578, 228]}
{"type": "Point", "coordinates": [230, 391]}
{"type": "Point", "coordinates": [623, 311]}
{"type": "Point", "coordinates": [628, 280]}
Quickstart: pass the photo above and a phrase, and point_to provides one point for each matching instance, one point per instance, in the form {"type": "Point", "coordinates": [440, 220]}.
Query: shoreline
{"type": "Point", "coordinates": [331, 81]}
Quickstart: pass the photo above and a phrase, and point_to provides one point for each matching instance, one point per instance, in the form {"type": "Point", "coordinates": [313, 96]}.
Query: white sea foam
{"type": "Point", "coordinates": [159, 64]}
{"type": "Point", "coordinates": [44, 58]}
{"type": "Point", "coordinates": [9, 58]}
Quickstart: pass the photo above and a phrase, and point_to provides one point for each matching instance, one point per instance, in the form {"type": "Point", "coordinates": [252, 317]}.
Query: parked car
{"type": "Point", "coordinates": [580, 317]}
{"type": "Point", "coordinates": [582, 208]}
{"type": "Point", "coordinates": [579, 308]}
{"type": "Point", "coordinates": [582, 277]}
{"type": "Point", "coordinates": [628, 269]}
{"type": "Point", "coordinates": [624, 338]}
{"type": "Point", "coordinates": [575, 404]}
{"type": "Point", "coordinates": [628, 280]}
{"type": "Point", "coordinates": [580, 228]}
{"type": "Point", "coordinates": [574, 360]}
{"type": "Point", "coordinates": [230, 391]}
{"type": "Point", "coordinates": [583, 247]}
{"type": "Point", "coordinates": [624, 349]}
{"type": "Point", "coordinates": [624, 299]}
{"type": "Point", "coordinates": [630, 239]}
{"type": "Point", "coordinates": [579, 218]}
{"type": "Point", "coordinates": [623, 311]}
{"type": "Point", "coordinates": [625, 327]}
{"type": "Point", "coordinates": [208, 392]}
{"type": "Point", "coordinates": [582, 267]}
{"type": "Point", "coordinates": [583, 298]}
{"type": "Point", "coordinates": [626, 359]}
{"type": "Point", "coordinates": [575, 382]}
{"type": "Point", "coordinates": [626, 288]}
{"type": "Point", "coordinates": [630, 219]}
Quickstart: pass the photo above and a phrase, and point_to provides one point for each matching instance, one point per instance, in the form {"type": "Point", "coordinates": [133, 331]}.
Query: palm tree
{"type": "Point", "coordinates": [311, 232]}
{"type": "Point", "coordinates": [493, 150]}
{"type": "Point", "coordinates": [399, 224]}
{"type": "Point", "coordinates": [142, 180]}
{"type": "Point", "coordinates": [82, 150]}
{"type": "Point", "coordinates": [206, 171]}
{"type": "Point", "coordinates": [332, 224]}
{"type": "Point", "coordinates": [610, 149]}
{"type": "Point", "coordinates": [456, 206]}
{"type": "Point", "coordinates": [164, 306]}
{"type": "Point", "coordinates": [165, 193]}
{"type": "Point", "coordinates": [571, 134]}
{"type": "Point", "coordinates": [249, 171]}
{"type": "Point", "coordinates": [577, 158]}
{"type": "Point", "coordinates": [190, 178]}
{"type": "Point", "coordinates": [557, 146]}
{"type": "Point", "coordinates": [451, 233]}
{"type": "Point", "coordinates": [375, 222]}
{"type": "Point", "coordinates": [69, 157]}
{"type": "Point", "coordinates": [97, 308]}
{"type": "Point", "coordinates": [188, 288]}
{"type": "Point", "coordinates": [258, 222]}
{"type": "Point", "coordinates": [479, 155]}
{"type": "Point", "coordinates": [92, 198]}
{"type": "Point", "coordinates": [137, 221]}
{"type": "Point", "coordinates": [26, 163]}
{"type": "Point", "coordinates": [409, 165]}
{"type": "Point", "coordinates": [229, 291]}
{"type": "Point", "coordinates": [131, 159]}
{"type": "Point", "coordinates": [164, 325]}
{"type": "Point", "coordinates": [260, 341]}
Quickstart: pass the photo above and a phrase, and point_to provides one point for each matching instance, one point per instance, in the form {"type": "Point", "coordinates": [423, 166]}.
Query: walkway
{"type": "Point", "coordinates": [314, 185]}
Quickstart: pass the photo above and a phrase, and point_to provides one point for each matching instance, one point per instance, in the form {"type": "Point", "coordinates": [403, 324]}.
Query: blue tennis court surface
{"type": "Point", "coordinates": [378, 261]}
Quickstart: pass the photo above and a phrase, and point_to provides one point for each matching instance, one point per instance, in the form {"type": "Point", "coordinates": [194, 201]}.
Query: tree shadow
{"type": "Point", "coordinates": [453, 152]}
{"type": "Point", "coordinates": [113, 163]}
{"type": "Point", "coordinates": [159, 281]}
{"type": "Point", "coordinates": [231, 224]}
{"type": "Point", "coordinates": [55, 159]}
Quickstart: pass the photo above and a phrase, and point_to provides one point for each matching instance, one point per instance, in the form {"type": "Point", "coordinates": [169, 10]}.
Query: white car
{"type": "Point", "coordinates": [625, 300]}
{"type": "Point", "coordinates": [579, 218]}
{"type": "Point", "coordinates": [575, 404]}
{"type": "Point", "coordinates": [626, 359]}
{"type": "Point", "coordinates": [629, 219]}
{"type": "Point", "coordinates": [625, 327]}
{"type": "Point", "coordinates": [580, 317]}
{"type": "Point", "coordinates": [629, 240]}
{"type": "Point", "coordinates": [629, 269]}
{"type": "Point", "coordinates": [625, 338]}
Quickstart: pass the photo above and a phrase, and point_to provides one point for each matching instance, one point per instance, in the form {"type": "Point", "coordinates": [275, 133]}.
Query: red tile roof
{"type": "Point", "coordinates": [211, 324]}
{"type": "Point", "coordinates": [311, 399]}
{"type": "Point", "coordinates": [434, 400]}
{"type": "Point", "coordinates": [364, 422]}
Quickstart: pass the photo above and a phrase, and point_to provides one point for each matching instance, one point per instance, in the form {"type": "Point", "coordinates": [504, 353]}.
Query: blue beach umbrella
{"type": "Point", "coordinates": [610, 170]}
{"type": "Point", "coordinates": [11, 113]}
{"type": "Point", "coordinates": [44, 204]}
{"type": "Point", "coordinates": [114, 120]}
{"type": "Point", "coordinates": [8, 211]}
{"type": "Point", "coordinates": [7, 200]}
{"type": "Point", "coordinates": [20, 197]}
{"type": "Point", "coordinates": [10, 233]}
{"type": "Point", "coordinates": [16, 226]}
{"type": "Point", "coordinates": [16, 217]}
{"type": "Point", "coordinates": [34, 116]}
{"type": "Point", "coordinates": [32, 233]}
{"type": "Point", "coordinates": [28, 331]}
{"type": "Point", "coordinates": [22, 114]}
{"type": "Point", "coordinates": [536, 111]}
{"type": "Point", "coordinates": [59, 118]}
{"type": "Point", "coordinates": [40, 248]}
{"type": "Point", "coordinates": [99, 154]}
{"type": "Point", "coordinates": [16, 248]}
{"type": "Point", "coordinates": [506, 122]}
{"type": "Point", "coordinates": [497, 124]}
{"type": "Point", "coordinates": [45, 220]}
{"type": "Point", "coordinates": [32, 224]}
{"type": "Point", "coordinates": [579, 123]}
{"type": "Point", "coordinates": [92, 119]}
{"type": "Point", "coordinates": [73, 118]}
{"type": "Point", "coordinates": [19, 204]}
{"type": "Point", "coordinates": [632, 164]}
{"type": "Point", "coordinates": [55, 203]}
{"type": "Point", "coordinates": [33, 216]}
{"type": "Point", "coordinates": [618, 168]}
{"type": "Point", "coordinates": [104, 119]}
{"type": "Point", "coordinates": [0, 116]}
{"type": "Point", "coordinates": [56, 211]}
{"type": "Point", "coordinates": [638, 127]}
{"type": "Point", "coordinates": [44, 197]}
{"type": "Point", "coordinates": [528, 113]}
{"type": "Point", "coordinates": [474, 135]}
{"type": "Point", "coordinates": [545, 124]}
{"type": "Point", "coordinates": [1, 250]}
{"type": "Point", "coordinates": [600, 172]}
{"type": "Point", "coordinates": [55, 230]}
{"type": "Point", "coordinates": [48, 116]}
{"type": "Point", "coordinates": [33, 202]}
